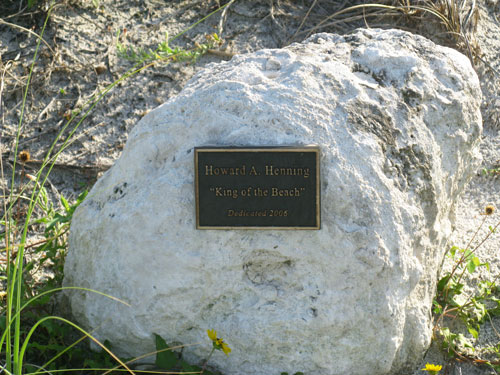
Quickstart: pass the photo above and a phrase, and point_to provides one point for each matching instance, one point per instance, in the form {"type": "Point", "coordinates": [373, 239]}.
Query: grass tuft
{"type": "Point", "coordinates": [451, 21]}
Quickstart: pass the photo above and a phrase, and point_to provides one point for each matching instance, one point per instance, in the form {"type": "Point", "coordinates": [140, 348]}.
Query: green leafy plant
{"type": "Point", "coordinates": [491, 172]}
{"type": "Point", "coordinates": [53, 248]}
{"type": "Point", "coordinates": [164, 52]}
{"type": "Point", "coordinates": [472, 310]}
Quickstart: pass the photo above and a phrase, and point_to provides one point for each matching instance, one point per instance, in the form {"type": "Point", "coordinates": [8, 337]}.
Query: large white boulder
{"type": "Point", "coordinates": [397, 121]}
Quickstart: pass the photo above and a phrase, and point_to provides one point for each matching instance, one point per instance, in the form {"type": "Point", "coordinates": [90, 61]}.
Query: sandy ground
{"type": "Point", "coordinates": [80, 59]}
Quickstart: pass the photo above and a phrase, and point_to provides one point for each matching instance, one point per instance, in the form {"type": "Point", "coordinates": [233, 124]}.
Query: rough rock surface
{"type": "Point", "coordinates": [398, 123]}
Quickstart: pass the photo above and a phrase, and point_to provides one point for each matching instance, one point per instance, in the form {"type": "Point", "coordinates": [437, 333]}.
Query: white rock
{"type": "Point", "coordinates": [398, 123]}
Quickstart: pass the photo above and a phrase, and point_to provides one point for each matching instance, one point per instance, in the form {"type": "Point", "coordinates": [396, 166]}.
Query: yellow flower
{"type": "Point", "coordinates": [433, 369]}
{"type": "Point", "coordinates": [217, 342]}
{"type": "Point", "coordinates": [212, 334]}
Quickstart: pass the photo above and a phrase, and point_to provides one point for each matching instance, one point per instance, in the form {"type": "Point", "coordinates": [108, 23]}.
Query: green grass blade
{"type": "Point", "coordinates": [17, 279]}
{"type": "Point", "coordinates": [35, 326]}
{"type": "Point", "coordinates": [18, 313]}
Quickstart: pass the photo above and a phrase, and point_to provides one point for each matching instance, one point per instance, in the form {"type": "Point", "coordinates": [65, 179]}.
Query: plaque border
{"type": "Point", "coordinates": [313, 148]}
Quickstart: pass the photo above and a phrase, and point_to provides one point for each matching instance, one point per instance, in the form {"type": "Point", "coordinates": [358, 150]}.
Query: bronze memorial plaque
{"type": "Point", "coordinates": [257, 188]}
